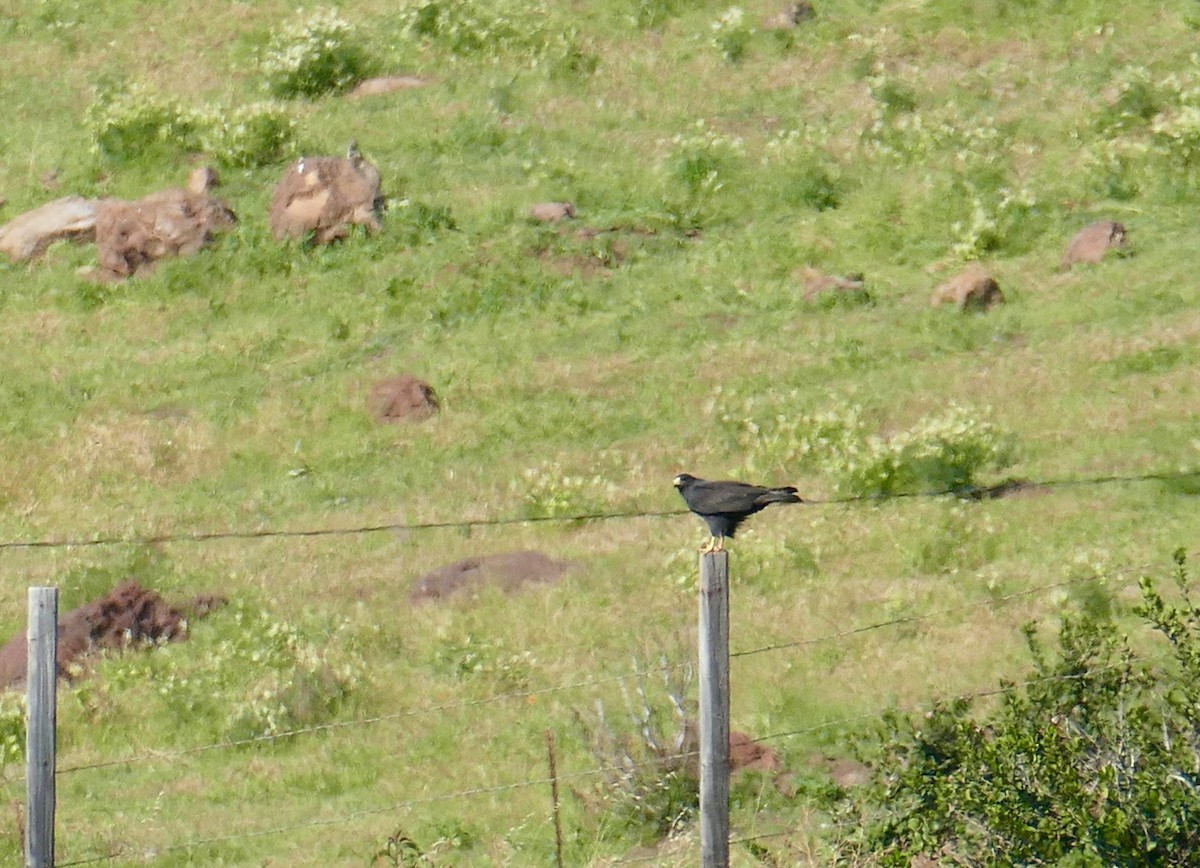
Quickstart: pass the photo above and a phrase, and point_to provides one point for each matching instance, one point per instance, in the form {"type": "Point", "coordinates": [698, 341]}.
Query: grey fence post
{"type": "Point", "coordinates": [714, 710]}
{"type": "Point", "coordinates": [41, 715]}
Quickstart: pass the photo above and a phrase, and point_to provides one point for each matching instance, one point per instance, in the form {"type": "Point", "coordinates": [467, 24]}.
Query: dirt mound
{"type": "Point", "coordinates": [402, 397]}
{"type": "Point", "coordinates": [27, 235]}
{"type": "Point", "coordinates": [509, 572]}
{"type": "Point", "coordinates": [746, 753]}
{"type": "Point", "coordinates": [1093, 241]}
{"type": "Point", "coordinates": [325, 196]}
{"type": "Point", "coordinates": [972, 289]}
{"type": "Point", "coordinates": [127, 616]}
{"type": "Point", "coordinates": [131, 237]}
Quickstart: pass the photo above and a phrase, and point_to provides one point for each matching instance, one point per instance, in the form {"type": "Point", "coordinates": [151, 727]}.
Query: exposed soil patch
{"type": "Point", "coordinates": [128, 616]}
{"type": "Point", "coordinates": [509, 571]}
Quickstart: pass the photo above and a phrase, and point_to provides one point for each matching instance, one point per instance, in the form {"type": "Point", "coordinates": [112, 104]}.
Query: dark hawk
{"type": "Point", "coordinates": [725, 505]}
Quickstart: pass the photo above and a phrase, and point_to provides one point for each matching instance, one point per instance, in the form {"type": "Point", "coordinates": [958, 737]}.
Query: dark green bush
{"type": "Point", "coordinates": [1092, 760]}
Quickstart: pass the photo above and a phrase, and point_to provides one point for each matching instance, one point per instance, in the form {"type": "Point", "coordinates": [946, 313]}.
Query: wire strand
{"type": "Point", "coordinates": [515, 785]}
{"type": "Point", "coordinates": [326, 727]}
{"type": "Point", "coordinates": [168, 754]}
{"type": "Point", "coordinates": [963, 492]}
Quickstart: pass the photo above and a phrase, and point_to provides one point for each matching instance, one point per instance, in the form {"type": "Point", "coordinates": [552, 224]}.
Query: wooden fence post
{"type": "Point", "coordinates": [714, 710]}
{"type": "Point", "coordinates": [41, 712]}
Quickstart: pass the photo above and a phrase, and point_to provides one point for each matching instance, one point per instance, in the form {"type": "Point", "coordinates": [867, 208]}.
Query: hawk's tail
{"type": "Point", "coordinates": [788, 494]}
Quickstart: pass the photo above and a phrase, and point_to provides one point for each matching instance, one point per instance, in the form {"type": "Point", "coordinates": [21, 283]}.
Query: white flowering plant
{"type": "Point", "coordinates": [552, 492]}
{"type": "Point", "coordinates": [12, 728]}
{"type": "Point", "coordinates": [129, 120]}
{"type": "Point", "coordinates": [250, 135]}
{"type": "Point", "coordinates": [731, 34]}
{"type": "Point", "coordinates": [941, 452]}
{"type": "Point", "coordinates": [474, 28]}
{"type": "Point", "coordinates": [315, 54]}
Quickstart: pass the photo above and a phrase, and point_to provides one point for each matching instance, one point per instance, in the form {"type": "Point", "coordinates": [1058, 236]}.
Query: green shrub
{"type": "Point", "coordinates": [652, 14]}
{"type": "Point", "coordinates": [1092, 760]}
{"type": "Point", "coordinates": [127, 121]}
{"type": "Point", "coordinates": [251, 135]}
{"type": "Point", "coordinates": [313, 56]}
{"type": "Point", "coordinates": [941, 453]}
{"type": "Point", "coordinates": [518, 28]}
{"type": "Point", "coordinates": [132, 121]}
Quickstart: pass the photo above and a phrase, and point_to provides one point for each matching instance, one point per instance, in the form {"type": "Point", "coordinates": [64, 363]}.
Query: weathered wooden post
{"type": "Point", "coordinates": [41, 712]}
{"type": "Point", "coordinates": [714, 710]}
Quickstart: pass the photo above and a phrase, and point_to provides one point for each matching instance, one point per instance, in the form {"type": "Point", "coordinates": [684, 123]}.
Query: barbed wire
{"type": "Point", "coordinates": [395, 806]}
{"type": "Point", "coordinates": [546, 781]}
{"type": "Point", "coordinates": [525, 694]}
{"type": "Point", "coordinates": [969, 696]}
{"type": "Point", "coordinates": [948, 610]}
{"type": "Point", "coordinates": [366, 721]}
{"type": "Point", "coordinates": [973, 492]}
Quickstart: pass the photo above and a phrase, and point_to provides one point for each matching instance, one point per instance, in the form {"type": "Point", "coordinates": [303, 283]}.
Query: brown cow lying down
{"type": "Point", "coordinates": [132, 236]}
{"type": "Point", "coordinates": [325, 196]}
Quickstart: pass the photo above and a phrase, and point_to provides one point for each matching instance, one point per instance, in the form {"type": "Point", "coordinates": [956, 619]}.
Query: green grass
{"type": "Point", "coordinates": [228, 392]}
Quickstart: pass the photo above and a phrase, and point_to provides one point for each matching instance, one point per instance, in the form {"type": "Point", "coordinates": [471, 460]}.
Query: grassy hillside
{"type": "Point", "coordinates": [578, 375]}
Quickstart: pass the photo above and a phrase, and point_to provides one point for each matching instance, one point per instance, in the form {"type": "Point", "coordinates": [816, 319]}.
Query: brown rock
{"type": "Point", "coordinates": [325, 196]}
{"type": "Point", "coordinates": [1093, 241]}
{"type": "Point", "coordinates": [552, 212]}
{"type": "Point", "coordinates": [131, 237]}
{"type": "Point", "coordinates": [402, 397]}
{"type": "Point", "coordinates": [509, 572]}
{"type": "Point", "coordinates": [971, 289]}
{"type": "Point", "coordinates": [27, 235]}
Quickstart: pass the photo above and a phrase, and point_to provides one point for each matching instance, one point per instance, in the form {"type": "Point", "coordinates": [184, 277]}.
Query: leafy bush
{"type": "Point", "coordinates": [1090, 761]}
{"type": "Point", "coordinates": [944, 452]}
{"type": "Point", "coordinates": [265, 677]}
{"type": "Point", "coordinates": [251, 135]}
{"type": "Point", "coordinates": [127, 121]}
{"type": "Point", "coordinates": [939, 453]}
{"type": "Point", "coordinates": [652, 14]}
{"type": "Point", "coordinates": [466, 28]}
{"type": "Point", "coordinates": [486, 658]}
{"type": "Point", "coordinates": [130, 121]}
{"type": "Point", "coordinates": [313, 56]}
{"type": "Point", "coordinates": [1001, 220]}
